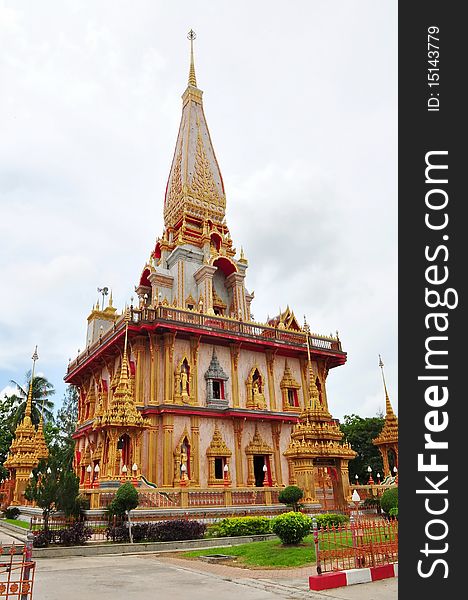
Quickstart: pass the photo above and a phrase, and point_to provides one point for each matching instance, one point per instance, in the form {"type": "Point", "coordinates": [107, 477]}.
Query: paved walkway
{"type": "Point", "coordinates": [143, 577]}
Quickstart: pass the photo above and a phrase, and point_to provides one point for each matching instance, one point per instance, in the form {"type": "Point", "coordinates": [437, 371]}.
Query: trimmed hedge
{"type": "Point", "coordinates": [162, 531]}
{"type": "Point", "coordinates": [330, 520]}
{"type": "Point", "coordinates": [291, 527]}
{"type": "Point", "coordinates": [291, 496]}
{"type": "Point", "coordinates": [75, 535]}
{"type": "Point", "coordinates": [243, 526]}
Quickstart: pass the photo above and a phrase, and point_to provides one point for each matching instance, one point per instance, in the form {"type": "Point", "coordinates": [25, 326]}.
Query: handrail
{"type": "Point", "coordinates": [248, 329]}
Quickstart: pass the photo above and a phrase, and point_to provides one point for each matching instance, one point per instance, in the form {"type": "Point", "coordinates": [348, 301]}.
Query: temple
{"type": "Point", "coordinates": [184, 392]}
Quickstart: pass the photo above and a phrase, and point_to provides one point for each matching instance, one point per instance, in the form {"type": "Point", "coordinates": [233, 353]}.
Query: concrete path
{"type": "Point", "coordinates": [149, 576]}
{"type": "Point", "coordinates": [5, 538]}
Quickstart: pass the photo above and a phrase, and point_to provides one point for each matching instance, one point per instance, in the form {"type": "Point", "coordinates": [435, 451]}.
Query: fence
{"type": "Point", "coordinates": [16, 574]}
{"type": "Point", "coordinates": [359, 543]}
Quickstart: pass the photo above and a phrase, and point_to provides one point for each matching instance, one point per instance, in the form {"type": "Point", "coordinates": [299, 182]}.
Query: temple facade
{"type": "Point", "coordinates": [184, 392]}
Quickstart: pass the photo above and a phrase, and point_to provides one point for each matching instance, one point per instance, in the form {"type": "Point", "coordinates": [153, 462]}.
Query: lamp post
{"type": "Point", "coordinates": [226, 474]}
{"type": "Point", "coordinates": [96, 475]}
{"type": "Point", "coordinates": [395, 471]}
{"type": "Point", "coordinates": [183, 475]}
{"type": "Point", "coordinates": [356, 477]}
{"type": "Point", "coordinates": [89, 469]}
{"type": "Point", "coordinates": [378, 478]}
{"type": "Point", "coordinates": [134, 473]}
{"type": "Point", "coordinates": [124, 471]}
{"type": "Point", "coordinates": [369, 470]}
{"type": "Point", "coordinates": [265, 476]}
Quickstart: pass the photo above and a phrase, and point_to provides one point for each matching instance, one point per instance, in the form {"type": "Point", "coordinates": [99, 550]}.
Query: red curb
{"type": "Point", "coordinates": [327, 581]}
{"type": "Point", "coordinates": [382, 572]}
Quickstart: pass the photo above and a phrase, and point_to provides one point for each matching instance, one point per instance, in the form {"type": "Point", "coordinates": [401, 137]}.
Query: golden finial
{"type": "Point", "coordinates": [110, 300]}
{"type": "Point", "coordinates": [388, 406]}
{"type": "Point", "coordinates": [192, 80]}
{"type": "Point", "coordinates": [28, 409]}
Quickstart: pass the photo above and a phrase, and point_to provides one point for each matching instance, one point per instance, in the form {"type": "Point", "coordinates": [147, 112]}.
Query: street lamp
{"type": "Point", "coordinates": [378, 478]}
{"type": "Point", "coordinates": [48, 471]}
{"type": "Point", "coordinates": [395, 470]}
{"type": "Point", "coordinates": [89, 469]}
{"type": "Point", "coordinates": [183, 475]}
{"type": "Point", "coordinates": [226, 474]}
{"type": "Point", "coordinates": [31, 475]}
{"type": "Point", "coordinates": [356, 477]}
{"type": "Point", "coordinates": [134, 472]}
{"type": "Point", "coordinates": [124, 470]}
{"type": "Point", "coordinates": [265, 475]}
{"type": "Point", "coordinates": [369, 470]}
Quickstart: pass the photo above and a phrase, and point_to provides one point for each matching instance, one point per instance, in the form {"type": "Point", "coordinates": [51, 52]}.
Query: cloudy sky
{"type": "Point", "coordinates": [301, 104]}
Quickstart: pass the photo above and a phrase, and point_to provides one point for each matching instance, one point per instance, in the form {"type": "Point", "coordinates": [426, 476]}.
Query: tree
{"type": "Point", "coordinates": [6, 432]}
{"type": "Point", "coordinates": [61, 440]}
{"type": "Point", "coordinates": [360, 432]}
{"type": "Point", "coordinates": [125, 499]}
{"type": "Point", "coordinates": [291, 496]}
{"type": "Point", "coordinates": [42, 390]}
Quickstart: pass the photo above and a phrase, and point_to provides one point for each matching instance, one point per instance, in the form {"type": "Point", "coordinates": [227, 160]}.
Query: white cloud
{"type": "Point", "coordinates": [301, 105]}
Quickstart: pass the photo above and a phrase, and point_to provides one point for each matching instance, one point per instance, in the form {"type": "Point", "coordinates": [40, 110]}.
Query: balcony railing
{"type": "Point", "coordinates": [244, 329]}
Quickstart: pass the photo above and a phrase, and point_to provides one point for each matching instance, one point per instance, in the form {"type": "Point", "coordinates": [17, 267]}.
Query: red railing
{"type": "Point", "coordinates": [210, 323]}
{"type": "Point", "coordinates": [211, 498]}
{"type": "Point", "coordinates": [16, 573]}
{"type": "Point", "coordinates": [359, 543]}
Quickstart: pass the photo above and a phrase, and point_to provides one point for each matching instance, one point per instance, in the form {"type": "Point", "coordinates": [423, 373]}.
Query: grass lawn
{"type": "Point", "coordinates": [265, 554]}
{"type": "Point", "coordinates": [23, 524]}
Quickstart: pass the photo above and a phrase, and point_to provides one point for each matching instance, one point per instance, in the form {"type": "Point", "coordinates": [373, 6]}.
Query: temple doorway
{"type": "Point", "coordinates": [259, 461]}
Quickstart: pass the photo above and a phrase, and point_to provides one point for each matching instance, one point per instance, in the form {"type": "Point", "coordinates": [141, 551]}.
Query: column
{"type": "Point", "coordinates": [276, 434]}
{"type": "Point", "coordinates": [270, 358]}
{"type": "Point", "coordinates": [139, 350]}
{"type": "Point", "coordinates": [195, 435]}
{"type": "Point", "coordinates": [154, 367]}
{"type": "Point", "coordinates": [204, 278]}
{"type": "Point", "coordinates": [194, 346]}
{"type": "Point", "coordinates": [168, 430]}
{"type": "Point", "coordinates": [169, 341]}
{"type": "Point", "coordinates": [235, 282]}
{"type": "Point", "coordinates": [238, 429]}
{"type": "Point", "coordinates": [152, 457]}
{"type": "Point", "coordinates": [235, 351]}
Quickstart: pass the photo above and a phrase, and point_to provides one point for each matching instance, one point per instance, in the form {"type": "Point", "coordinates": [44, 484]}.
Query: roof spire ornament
{"type": "Point", "coordinates": [28, 409]}
{"type": "Point", "coordinates": [388, 406]}
{"type": "Point", "coordinates": [192, 80]}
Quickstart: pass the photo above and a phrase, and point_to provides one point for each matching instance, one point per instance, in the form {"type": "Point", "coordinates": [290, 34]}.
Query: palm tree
{"type": "Point", "coordinates": [42, 389]}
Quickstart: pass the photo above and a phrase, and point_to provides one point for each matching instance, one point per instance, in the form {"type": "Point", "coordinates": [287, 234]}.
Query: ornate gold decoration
{"type": "Point", "coordinates": [217, 449]}
{"type": "Point", "coordinates": [289, 383]}
{"type": "Point", "coordinates": [255, 387]}
{"type": "Point", "coordinates": [257, 447]}
{"type": "Point", "coordinates": [183, 383]}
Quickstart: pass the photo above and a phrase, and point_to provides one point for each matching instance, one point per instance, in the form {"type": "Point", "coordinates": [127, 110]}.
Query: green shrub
{"type": "Point", "coordinates": [291, 527]}
{"type": "Point", "coordinates": [291, 496]}
{"type": "Point", "coordinates": [243, 526]}
{"type": "Point", "coordinates": [330, 520]}
{"type": "Point", "coordinates": [389, 499]}
{"type": "Point", "coordinates": [393, 512]}
{"type": "Point", "coordinates": [125, 499]}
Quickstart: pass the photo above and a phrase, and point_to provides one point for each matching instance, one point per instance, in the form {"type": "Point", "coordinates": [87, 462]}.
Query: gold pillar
{"type": "Point", "coordinates": [154, 367]}
{"type": "Point", "coordinates": [194, 346]}
{"type": "Point", "coordinates": [152, 455]}
{"type": "Point", "coordinates": [195, 429]}
{"type": "Point", "coordinates": [168, 468]}
{"type": "Point", "coordinates": [345, 481]}
{"type": "Point", "coordinates": [270, 358]}
{"type": "Point", "coordinates": [250, 470]}
{"type": "Point", "coordinates": [169, 340]}
{"type": "Point", "coordinates": [235, 351]}
{"type": "Point", "coordinates": [276, 434]}
{"type": "Point", "coordinates": [238, 428]}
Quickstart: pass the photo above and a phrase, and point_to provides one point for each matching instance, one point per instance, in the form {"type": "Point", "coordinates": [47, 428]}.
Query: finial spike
{"type": "Point", "coordinates": [388, 406]}
{"type": "Point", "coordinates": [28, 409]}
{"type": "Point", "coordinates": [192, 81]}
